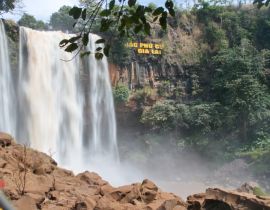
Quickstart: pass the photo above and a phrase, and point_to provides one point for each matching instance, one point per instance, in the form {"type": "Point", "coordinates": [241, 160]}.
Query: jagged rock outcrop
{"type": "Point", "coordinates": [33, 181]}
{"type": "Point", "coordinates": [220, 199]}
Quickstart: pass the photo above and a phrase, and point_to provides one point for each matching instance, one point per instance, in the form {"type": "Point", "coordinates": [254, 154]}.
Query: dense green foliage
{"type": "Point", "coordinates": [262, 3]}
{"type": "Point", "coordinates": [31, 22]}
{"type": "Point", "coordinates": [7, 5]}
{"type": "Point", "coordinates": [120, 94]}
{"type": "Point", "coordinates": [223, 104]}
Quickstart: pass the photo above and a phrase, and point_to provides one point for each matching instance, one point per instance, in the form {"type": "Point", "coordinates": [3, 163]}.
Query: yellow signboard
{"type": "Point", "coordinates": [146, 48]}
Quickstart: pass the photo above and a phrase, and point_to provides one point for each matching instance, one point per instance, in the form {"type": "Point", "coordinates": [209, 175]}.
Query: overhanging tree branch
{"type": "Point", "coordinates": [125, 17]}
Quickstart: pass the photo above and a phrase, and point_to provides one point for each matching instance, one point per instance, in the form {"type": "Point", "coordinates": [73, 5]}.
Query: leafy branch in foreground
{"type": "Point", "coordinates": [125, 17]}
{"type": "Point", "coordinates": [9, 6]}
{"type": "Point", "coordinates": [261, 3]}
{"type": "Point", "coordinates": [6, 6]}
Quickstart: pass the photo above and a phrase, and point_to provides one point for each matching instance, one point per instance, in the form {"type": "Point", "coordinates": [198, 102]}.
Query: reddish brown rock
{"type": "Point", "coordinates": [3, 163]}
{"type": "Point", "coordinates": [173, 204]}
{"type": "Point", "coordinates": [236, 200]}
{"type": "Point", "coordinates": [108, 203]}
{"type": "Point", "coordinates": [132, 196]}
{"type": "Point", "coordinates": [196, 201]}
{"type": "Point", "coordinates": [92, 178]}
{"type": "Point", "coordinates": [25, 203]}
{"type": "Point", "coordinates": [120, 192]}
{"type": "Point", "coordinates": [50, 187]}
{"type": "Point", "coordinates": [148, 191]}
{"type": "Point", "coordinates": [5, 139]}
{"type": "Point", "coordinates": [221, 199]}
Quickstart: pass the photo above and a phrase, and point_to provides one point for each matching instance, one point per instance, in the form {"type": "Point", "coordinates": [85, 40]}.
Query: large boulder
{"type": "Point", "coordinates": [221, 199]}
{"type": "Point", "coordinates": [148, 191]}
{"type": "Point", "coordinates": [5, 139]}
{"type": "Point", "coordinates": [196, 201]}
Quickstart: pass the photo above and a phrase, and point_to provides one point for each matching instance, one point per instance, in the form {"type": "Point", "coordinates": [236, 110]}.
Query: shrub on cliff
{"type": "Point", "coordinates": [120, 94]}
{"type": "Point", "coordinates": [164, 89]}
{"type": "Point", "coordinates": [169, 115]}
{"type": "Point", "coordinates": [160, 116]}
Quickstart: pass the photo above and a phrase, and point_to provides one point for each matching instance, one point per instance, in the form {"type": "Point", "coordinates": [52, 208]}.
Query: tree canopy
{"type": "Point", "coordinates": [7, 5]}
{"type": "Point", "coordinates": [238, 85]}
{"type": "Point", "coordinates": [31, 22]}
{"type": "Point", "coordinates": [61, 20]}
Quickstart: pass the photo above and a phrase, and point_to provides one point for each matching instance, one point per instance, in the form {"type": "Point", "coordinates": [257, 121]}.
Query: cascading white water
{"type": "Point", "coordinates": [49, 91]}
{"type": "Point", "coordinates": [53, 104]}
{"type": "Point", "coordinates": [7, 107]}
{"type": "Point", "coordinates": [102, 106]}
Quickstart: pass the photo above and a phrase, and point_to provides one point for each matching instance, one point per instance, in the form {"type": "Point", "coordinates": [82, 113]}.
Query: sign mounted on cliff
{"type": "Point", "coordinates": [146, 48]}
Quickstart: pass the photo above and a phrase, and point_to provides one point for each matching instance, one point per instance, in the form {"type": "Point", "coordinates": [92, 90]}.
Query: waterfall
{"type": "Point", "coordinates": [49, 94]}
{"type": "Point", "coordinates": [53, 103]}
{"type": "Point", "coordinates": [7, 107]}
{"type": "Point", "coordinates": [102, 106]}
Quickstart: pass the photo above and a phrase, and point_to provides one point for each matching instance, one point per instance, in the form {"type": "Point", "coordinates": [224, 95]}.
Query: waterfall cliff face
{"type": "Point", "coordinates": [7, 94]}
{"type": "Point", "coordinates": [53, 105]}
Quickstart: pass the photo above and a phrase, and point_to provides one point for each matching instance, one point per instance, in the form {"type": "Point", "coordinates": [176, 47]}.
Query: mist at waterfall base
{"type": "Point", "coordinates": [66, 110]}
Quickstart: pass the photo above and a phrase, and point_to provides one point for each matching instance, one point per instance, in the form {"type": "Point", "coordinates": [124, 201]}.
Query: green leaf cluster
{"type": "Point", "coordinates": [120, 94]}
{"type": "Point", "coordinates": [7, 5]}
{"type": "Point", "coordinates": [123, 19]}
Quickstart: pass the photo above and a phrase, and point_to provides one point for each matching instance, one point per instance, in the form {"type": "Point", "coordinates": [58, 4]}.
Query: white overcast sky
{"type": "Point", "coordinates": [42, 9]}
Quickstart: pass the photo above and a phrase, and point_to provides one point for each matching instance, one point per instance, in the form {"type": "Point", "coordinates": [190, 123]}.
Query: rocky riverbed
{"type": "Point", "coordinates": [32, 180]}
